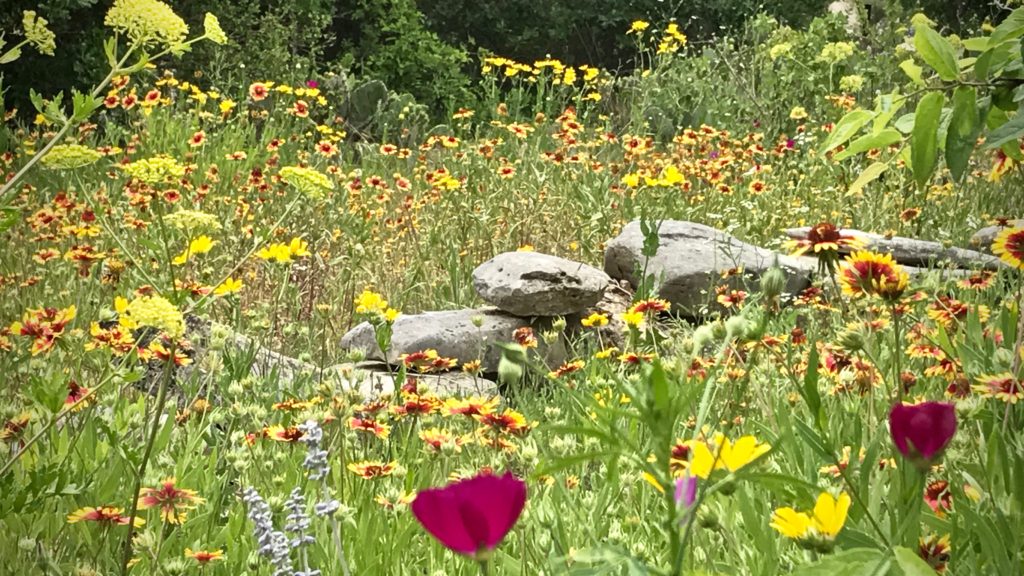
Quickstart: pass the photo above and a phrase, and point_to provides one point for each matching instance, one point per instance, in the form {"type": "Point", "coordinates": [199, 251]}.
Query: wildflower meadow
{"type": "Point", "coordinates": [208, 279]}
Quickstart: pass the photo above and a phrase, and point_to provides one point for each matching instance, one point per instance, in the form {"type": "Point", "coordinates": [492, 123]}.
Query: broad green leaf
{"type": "Point", "coordinates": [911, 563]}
{"type": "Point", "coordinates": [846, 563]}
{"type": "Point", "coordinates": [886, 108]}
{"type": "Point", "coordinates": [1008, 132]}
{"type": "Point", "coordinates": [846, 128]}
{"type": "Point", "coordinates": [992, 61]}
{"type": "Point", "coordinates": [994, 119]}
{"type": "Point", "coordinates": [923, 140]}
{"type": "Point", "coordinates": [964, 127]}
{"type": "Point", "coordinates": [869, 175]}
{"type": "Point", "coordinates": [979, 44]}
{"type": "Point", "coordinates": [1012, 27]}
{"type": "Point", "coordinates": [936, 51]}
{"type": "Point", "coordinates": [870, 142]}
{"type": "Point", "coordinates": [905, 123]}
{"type": "Point", "coordinates": [913, 71]}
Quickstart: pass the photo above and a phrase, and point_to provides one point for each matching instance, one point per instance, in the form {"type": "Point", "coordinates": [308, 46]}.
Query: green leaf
{"type": "Point", "coordinates": [870, 142]}
{"type": "Point", "coordinates": [846, 563]}
{"type": "Point", "coordinates": [992, 61]}
{"type": "Point", "coordinates": [813, 440]}
{"type": "Point", "coordinates": [810, 390]}
{"type": "Point", "coordinates": [923, 140]}
{"type": "Point", "coordinates": [1012, 27]}
{"type": "Point", "coordinates": [936, 51]}
{"type": "Point", "coordinates": [1008, 132]}
{"type": "Point", "coordinates": [979, 44]}
{"type": "Point", "coordinates": [8, 218]}
{"type": "Point", "coordinates": [911, 563]}
{"type": "Point", "coordinates": [660, 387]}
{"type": "Point", "coordinates": [869, 175]}
{"type": "Point", "coordinates": [913, 71]}
{"type": "Point", "coordinates": [962, 135]}
{"type": "Point", "coordinates": [846, 128]}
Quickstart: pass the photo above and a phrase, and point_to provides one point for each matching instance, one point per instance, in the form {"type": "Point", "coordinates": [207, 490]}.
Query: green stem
{"type": "Point", "coordinates": [161, 400]}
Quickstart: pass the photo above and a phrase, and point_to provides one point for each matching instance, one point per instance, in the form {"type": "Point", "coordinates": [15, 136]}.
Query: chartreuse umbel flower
{"type": "Point", "coordinates": [307, 180]}
{"type": "Point", "coordinates": [191, 221]}
{"type": "Point", "coordinates": [214, 32]}
{"type": "Point", "coordinates": [70, 156]}
{"type": "Point", "coordinates": [148, 23]}
{"type": "Point", "coordinates": [472, 516]}
{"type": "Point", "coordinates": [154, 170]}
{"type": "Point", "coordinates": [152, 311]}
{"type": "Point", "coordinates": [37, 34]}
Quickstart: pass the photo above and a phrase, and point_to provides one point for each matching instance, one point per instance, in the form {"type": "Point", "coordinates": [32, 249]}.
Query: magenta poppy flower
{"type": "Point", "coordinates": [922, 431]}
{"type": "Point", "coordinates": [472, 516]}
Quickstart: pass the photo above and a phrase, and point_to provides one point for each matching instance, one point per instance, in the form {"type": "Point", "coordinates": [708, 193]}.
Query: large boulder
{"type": "Point", "coordinates": [982, 239]}
{"type": "Point", "coordinates": [691, 259]}
{"type": "Point", "coordinates": [452, 333]}
{"type": "Point", "coordinates": [535, 284]}
{"type": "Point", "coordinates": [913, 252]}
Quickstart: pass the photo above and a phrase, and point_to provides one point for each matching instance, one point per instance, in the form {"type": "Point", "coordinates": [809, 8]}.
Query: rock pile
{"type": "Point", "coordinates": [526, 291]}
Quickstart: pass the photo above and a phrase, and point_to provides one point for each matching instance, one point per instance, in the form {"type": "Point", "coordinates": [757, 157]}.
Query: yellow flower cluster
{"type": "Point", "coordinates": [148, 22]}
{"type": "Point", "coordinates": [284, 253]}
{"type": "Point", "coordinates": [373, 304]}
{"type": "Point", "coordinates": [835, 52]}
{"type": "Point", "coordinates": [69, 156]}
{"type": "Point", "coordinates": [192, 221]}
{"type": "Point", "coordinates": [154, 170]}
{"type": "Point", "coordinates": [851, 83]}
{"type": "Point", "coordinates": [780, 50]}
{"type": "Point", "coordinates": [672, 40]}
{"type": "Point", "coordinates": [307, 180]}
{"type": "Point", "coordinates": [560, 73]}
{"type": "Point", "coordinates": [37, 33]}
{"type": "Point", "coordinates": [152, 311]}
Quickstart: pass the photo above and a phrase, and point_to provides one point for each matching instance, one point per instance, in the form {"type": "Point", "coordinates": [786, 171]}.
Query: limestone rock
{"type": "Point", "coordinates": [982, 239]}
{"type": "Point", "coordinates": [377, 381]}
{"type": "Point", "coordinates": [451, 332]}
{"type": "Point", "coordinates": [535, 284]}
{"type": "Point", "coordinates": [913, 252]}
{"type": "Point", "coordinates": [690, 260]}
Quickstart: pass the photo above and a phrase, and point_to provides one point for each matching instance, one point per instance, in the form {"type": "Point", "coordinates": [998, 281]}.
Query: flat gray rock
{"type": "Point", "coordinates": [913, 252]}
{"type": "Point", "coordinates": [982, 239]}
{"type": "Point", "coordinates": [535, 284]}
{"type": "Point", "coordinates": [690, 260]}
{"type": "Point", "coordinates": [452, 333]}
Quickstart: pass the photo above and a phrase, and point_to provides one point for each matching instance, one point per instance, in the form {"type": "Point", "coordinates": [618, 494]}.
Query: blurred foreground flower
{"type": "Point", "coordinates": [922, 431]}
{"type": "Point", "coordinates": [1009, 246]}
{"type": "Point", "coordinates": [472, 516]}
